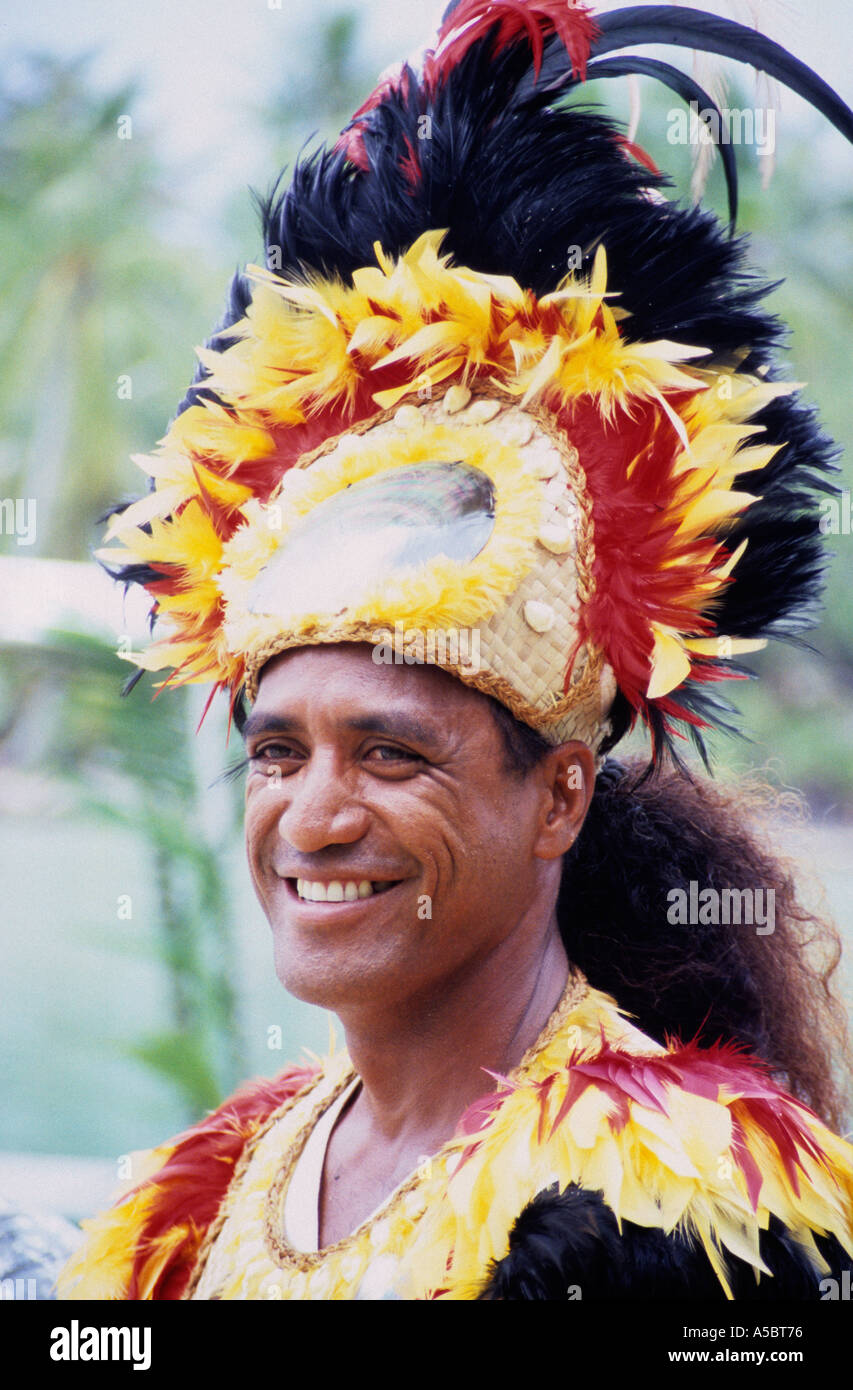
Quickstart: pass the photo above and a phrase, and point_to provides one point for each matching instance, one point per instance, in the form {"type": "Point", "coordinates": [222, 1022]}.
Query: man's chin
{"type": "Point", "coordinates": [367, 954]}
{"type": "Point", "coordinates": [329, 988]}
{"type": "Point", "coordinates": [334, 974]}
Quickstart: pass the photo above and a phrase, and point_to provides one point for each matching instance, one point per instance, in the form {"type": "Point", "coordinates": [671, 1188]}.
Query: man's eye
{"type": "Point", "coordinates": [274, 752]}
{"type": "Point", "coordinates": [387, 752]}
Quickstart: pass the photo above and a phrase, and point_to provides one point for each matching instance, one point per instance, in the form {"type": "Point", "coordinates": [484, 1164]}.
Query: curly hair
{"type": "Point", "coordinates": [646, 835]}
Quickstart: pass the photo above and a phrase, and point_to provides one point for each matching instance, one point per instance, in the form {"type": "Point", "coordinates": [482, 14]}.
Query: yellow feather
{"type": "Point", "coordinates": [670, 662]}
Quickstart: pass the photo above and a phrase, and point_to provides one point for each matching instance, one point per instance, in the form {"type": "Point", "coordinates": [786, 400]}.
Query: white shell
{"type": "Point", "coordinates": [558, 490]}
{"type": "Point", "coordinates": [519, 430]}
{"type": "Point", "coordinates": [556, 539]}
{"type": "Point", "coordinates": [481, 412]}
{"type": "Point", "coordinates": [408, 417]}
{"type": "Point", "coordinates": [540, 616]}
{"type": "Point", "coordinates": [542, 461]}
{"type": "Point", "coordinates": [456, 398]}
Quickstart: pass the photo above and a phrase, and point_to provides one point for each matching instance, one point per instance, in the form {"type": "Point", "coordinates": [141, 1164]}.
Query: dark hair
{"type": "Point", "coordinates": [523, 747]}
{"type": "Point", "coordinates": [645, 836]}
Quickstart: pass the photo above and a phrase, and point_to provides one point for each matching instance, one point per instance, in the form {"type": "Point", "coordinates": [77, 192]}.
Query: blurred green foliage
{"type": "Point", "coordinates": [130, 763]}
{"type": "Point", "coordinates": [97, 312]}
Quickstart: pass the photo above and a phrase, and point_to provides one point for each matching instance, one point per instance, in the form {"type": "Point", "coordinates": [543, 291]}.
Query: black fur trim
{"type": "Point", "coordinates": [568, 1246]}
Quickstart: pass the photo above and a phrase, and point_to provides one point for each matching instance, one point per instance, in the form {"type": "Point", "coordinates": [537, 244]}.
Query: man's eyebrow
{"type": "Point", "coordinates": [395, 725]}
{"type": "Point", "coordinates": [392, 724]}
{"type": "Point", "coordinates": [267, 724]}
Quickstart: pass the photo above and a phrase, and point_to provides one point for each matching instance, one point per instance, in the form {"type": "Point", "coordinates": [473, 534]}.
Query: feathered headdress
{"type": "Point", "coordinates": [494, 401]}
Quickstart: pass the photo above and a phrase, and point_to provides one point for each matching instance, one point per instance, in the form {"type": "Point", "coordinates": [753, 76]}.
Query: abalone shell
{"type": "Point", "coordinates": [388, 524]}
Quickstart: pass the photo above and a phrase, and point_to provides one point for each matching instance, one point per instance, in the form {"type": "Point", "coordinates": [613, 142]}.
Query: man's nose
{"type": "Point", "coordinates": [322, 808]}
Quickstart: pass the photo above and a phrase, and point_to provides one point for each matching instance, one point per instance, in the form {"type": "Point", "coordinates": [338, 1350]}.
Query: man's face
{"type": "Point", "coordinates": [386, 786]}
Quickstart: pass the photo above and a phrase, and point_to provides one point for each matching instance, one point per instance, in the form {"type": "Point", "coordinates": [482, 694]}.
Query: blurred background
{"type": "Point", "coordinates": [137, 980]}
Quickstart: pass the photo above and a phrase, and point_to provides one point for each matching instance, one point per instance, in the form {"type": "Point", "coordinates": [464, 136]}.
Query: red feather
{"type": "Point", "coordinates": [351, 140]}
{"type": "Point", "coordinates": [637, 152]}
{"type": "Point", "coordinates": [629, 466]}
{"type": "Point", "coordinates": [534, 20]}
{"type": "Point", "coordinates": [194, 1179]}
{"type": "Point", "coordinates": [701, 1071]}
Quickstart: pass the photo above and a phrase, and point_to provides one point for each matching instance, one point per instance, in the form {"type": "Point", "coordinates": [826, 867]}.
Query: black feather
{"type": "Point", "coordinates": [519, 182]}
{"type": "Point", "coordinates": [567, 1245]}
{"type": "Point", "coordinates": [697, 29]}
{"type": "Point", "coordinates": [685, 86]}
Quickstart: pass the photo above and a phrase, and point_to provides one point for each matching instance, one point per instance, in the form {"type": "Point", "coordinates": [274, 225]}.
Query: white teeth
{"type": "Point", "coordinates": [337, 891]}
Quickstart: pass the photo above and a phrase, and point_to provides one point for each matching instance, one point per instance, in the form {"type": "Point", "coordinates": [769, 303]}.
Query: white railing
{"type": "Point", "coordinates": [58, 1184]}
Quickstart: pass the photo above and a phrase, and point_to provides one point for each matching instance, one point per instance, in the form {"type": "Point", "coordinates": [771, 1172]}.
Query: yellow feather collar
{"type": "Point", "coordinates": [674, 1139]}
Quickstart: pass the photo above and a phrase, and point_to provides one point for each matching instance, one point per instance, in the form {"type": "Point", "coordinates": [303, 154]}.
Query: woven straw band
{"type": "Point", "coordinates": [523, 647]}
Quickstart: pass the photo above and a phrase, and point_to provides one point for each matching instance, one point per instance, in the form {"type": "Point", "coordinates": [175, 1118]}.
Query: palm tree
{"type": "Point", "coordinates": [96, 310]}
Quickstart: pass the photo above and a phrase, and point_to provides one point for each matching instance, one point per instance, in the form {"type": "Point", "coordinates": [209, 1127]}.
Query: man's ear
{"type": "Point", "coordinates": [568, 782]}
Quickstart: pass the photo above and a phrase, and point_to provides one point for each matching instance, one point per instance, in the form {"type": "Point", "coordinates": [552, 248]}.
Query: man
{"type": "Point", "coordinates": [409, 438]}
{"type": "Point", "coordinates": [454, 960]}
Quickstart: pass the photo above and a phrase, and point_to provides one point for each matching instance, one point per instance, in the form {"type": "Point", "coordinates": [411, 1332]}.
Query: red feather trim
{"type": "Point", "coordinates": [411, 166]}
{"type": "Point", "coordinates": [194, 1179]}
{"type": "Point", "coordinates": [534, 20]}
{"type": "Point", "coordinates": [637, 152]}
{"type": "Point", "coordinates": [714, 1073]}
{"type": "Point", "coordinates": [351, 140]}
{"type": "Point", "coordinates": [630, 478]}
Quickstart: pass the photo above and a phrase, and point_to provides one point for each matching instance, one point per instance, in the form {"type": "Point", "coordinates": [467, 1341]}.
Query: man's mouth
{"type": "Point", "coordinates": [340, 890]}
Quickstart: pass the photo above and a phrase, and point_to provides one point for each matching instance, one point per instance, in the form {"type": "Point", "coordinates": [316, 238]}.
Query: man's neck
{"type": "Point", "coordinates": [422, 1068]}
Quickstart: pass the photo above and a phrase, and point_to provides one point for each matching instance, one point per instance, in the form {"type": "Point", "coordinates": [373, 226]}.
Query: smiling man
{"type": "Point", "coordinates": [411, 882]}
{"type": "Point", "coordinates": [366, 783]}
{"type": "Point", "coordinates": [424, 425]}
